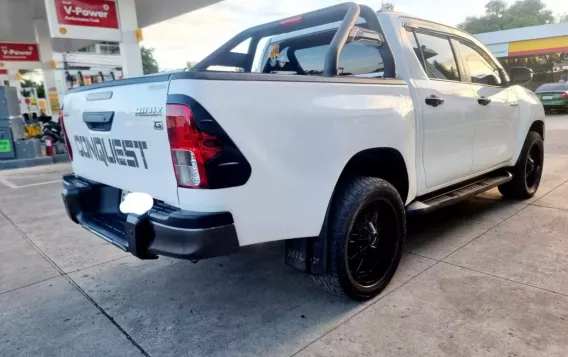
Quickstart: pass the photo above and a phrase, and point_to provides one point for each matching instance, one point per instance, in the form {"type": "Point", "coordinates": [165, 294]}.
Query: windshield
{"type": "Point", "coordinates": [553, 87]}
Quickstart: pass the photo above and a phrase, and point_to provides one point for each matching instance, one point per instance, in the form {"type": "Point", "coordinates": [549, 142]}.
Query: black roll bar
{"type": "Point", "coordinates": [347, 13]}
{"type": "Point", "coordinates": [339, 40]}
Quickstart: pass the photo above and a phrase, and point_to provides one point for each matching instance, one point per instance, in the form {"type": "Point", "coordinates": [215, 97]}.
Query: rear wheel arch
{"type": "Point", "coordinates": [385, 163]}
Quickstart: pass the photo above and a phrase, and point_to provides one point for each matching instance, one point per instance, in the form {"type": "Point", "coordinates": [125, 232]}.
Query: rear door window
{"type": "Point", "coordinates": [356, 59]}
{"type": "Point", "coordinates": [306, 56]}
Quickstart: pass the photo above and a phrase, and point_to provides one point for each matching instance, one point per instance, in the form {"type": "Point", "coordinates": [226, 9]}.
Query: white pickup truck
{"type": "Point", "coordinates": [353, 120]}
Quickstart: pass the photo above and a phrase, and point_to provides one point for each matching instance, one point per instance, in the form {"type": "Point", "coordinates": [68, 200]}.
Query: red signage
{"type": "Point", "coordinates": [25, 52]}
{"type": "Point", "coordinates": [3, 71]}
{"type": "Point", "coordinates": [89, 13]}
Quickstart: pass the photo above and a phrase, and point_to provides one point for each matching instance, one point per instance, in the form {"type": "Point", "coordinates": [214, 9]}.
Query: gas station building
{"type": "Point", "coordinates": [47, 34]}
{"type": "Point", "coordinates": [542, 48]}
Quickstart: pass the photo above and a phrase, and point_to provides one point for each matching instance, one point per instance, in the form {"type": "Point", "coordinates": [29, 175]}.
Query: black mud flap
{"type": "Point", "coordinates": [307, 254]}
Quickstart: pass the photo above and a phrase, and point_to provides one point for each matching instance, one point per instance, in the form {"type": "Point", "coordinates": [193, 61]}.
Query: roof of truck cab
{"type": "Point", "coordinates": [393, 15]}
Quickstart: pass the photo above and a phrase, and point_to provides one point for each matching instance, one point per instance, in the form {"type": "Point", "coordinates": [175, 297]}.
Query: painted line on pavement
{"type": "Point", "coordinates": [13, 186]}
{"type": "Point", "coordinates": [38, 184]}
{"type": "Point", "coordinates": [7, 183]}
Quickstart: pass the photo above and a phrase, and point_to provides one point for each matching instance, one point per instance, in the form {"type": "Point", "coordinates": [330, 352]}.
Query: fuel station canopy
{"type": "Point", "coordinates": [31, 31]}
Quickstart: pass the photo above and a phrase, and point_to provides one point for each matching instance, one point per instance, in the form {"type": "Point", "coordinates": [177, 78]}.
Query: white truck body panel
{"type": "Point", "coordinates": [495, 136]}
{"type": "Point", "coordinates": [150, 170]}
{"type": "Point", "coordinates": [297, 137]}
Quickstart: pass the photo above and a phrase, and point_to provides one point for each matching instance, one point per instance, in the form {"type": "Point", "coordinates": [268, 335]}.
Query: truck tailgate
{"type": "Point", "coordinates": [119, 138]}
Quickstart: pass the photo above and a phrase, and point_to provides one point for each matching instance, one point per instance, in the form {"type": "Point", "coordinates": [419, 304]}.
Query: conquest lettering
{"type": "Point", "coordinates": [142, 146]}
{"type": "Point", "coordinates": [117, 144]}
{"type": "Point", "coordinates": [121, 152]}
{"type": "Point", "coordinates": [130, 153]}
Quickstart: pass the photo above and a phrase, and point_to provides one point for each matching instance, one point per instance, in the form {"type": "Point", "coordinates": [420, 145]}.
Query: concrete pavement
{"type": "Point", "coordinates": [487, 277]}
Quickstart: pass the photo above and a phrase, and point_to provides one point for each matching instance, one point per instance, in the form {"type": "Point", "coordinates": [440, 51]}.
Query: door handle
{"type": "Point", "coordinates": [483, 100]}
{"type": "Point", "coordinates": [514, 104]}
{"type": "Point", "coordinates": [434, 100]}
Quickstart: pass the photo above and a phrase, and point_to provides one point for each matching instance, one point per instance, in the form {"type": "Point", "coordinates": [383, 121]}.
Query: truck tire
{"type": "Point", "coordinates": [367, 229]}
{"type": "Point", "coordinates": [528, 170]}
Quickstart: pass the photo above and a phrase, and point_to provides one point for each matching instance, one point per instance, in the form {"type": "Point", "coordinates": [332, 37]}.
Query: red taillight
{"type": "Point", "coordinates": [564, 95]}
{"type": "Point", "coordinates": [65, 137]}
{"type": "Point", "coordinates": [191, 148]}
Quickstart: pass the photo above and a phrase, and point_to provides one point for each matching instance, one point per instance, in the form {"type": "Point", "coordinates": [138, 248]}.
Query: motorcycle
{"type": "Point", "coordinates": [50, 129]}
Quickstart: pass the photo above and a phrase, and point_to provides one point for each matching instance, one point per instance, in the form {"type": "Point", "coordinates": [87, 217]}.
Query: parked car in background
{"type": "Point", "coordinates": [554, 96]}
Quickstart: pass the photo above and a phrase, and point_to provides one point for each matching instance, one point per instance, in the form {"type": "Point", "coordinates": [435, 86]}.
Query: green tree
{"type": "Point", "coordinates": [563, 17]}
{"type": "Point", "coordinates": [149, 63]}
{"type": "Point", "coordinates": [496, 8]}
{"type": "Point", "coordinates": [499, 16]}
{"type": "Point", "coordinates": [28, 84]}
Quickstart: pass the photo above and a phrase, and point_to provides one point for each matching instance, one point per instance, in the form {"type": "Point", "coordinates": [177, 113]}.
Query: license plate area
{"type": "Point", "coordinates": [123, 194]}
{"type": "Point", "coordinates": [547, 97]}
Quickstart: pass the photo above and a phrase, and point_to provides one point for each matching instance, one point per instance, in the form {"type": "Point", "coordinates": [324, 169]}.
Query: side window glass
{"type": "Point", "coordinates": [359, 59]}
{"type": "Point", "coordinates": [439, 59]}
{"type": "Point", "coordinates": [481, 67]}
{"type": "Point", "coordinates": [356, 59]}
{"type": "Point", "coordinates": [412, 39]}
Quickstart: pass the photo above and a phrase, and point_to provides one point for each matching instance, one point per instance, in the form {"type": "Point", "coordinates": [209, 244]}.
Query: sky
{"type": "Point", "coordinates": [192, 36]}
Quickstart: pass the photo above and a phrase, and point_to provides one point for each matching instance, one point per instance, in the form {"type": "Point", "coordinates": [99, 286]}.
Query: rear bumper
{"type": "Point", "coordinates": [557, 104]}
{"type": "Point", "coordinates": [164, 230]}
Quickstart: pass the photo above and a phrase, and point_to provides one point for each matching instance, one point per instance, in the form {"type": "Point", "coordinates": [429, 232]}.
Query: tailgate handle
{"type": "Point", "coordinates": [98, 121]}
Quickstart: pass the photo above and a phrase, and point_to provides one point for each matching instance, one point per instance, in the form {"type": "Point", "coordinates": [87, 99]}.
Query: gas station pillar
{"type": "Point", "coordinates": [129, 47]}
{"type": "Point", "coordinates": [43, 40]}
{"type": "Point", "coordinates": [13, 81]}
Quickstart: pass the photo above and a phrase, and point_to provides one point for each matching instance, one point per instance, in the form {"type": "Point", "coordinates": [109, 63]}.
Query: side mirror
{"type": "Point", "coordinates": [520, 75]}
{"type": "Point", "coordinates": [366, 36]}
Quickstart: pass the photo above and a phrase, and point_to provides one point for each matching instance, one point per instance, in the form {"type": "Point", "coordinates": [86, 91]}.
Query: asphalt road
{"type": "Point", "coordinates": [487, 277]}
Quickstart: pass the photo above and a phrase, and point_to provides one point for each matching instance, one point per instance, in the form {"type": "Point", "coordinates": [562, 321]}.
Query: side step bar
{"type": "Point", "coordinates": [454, 195]}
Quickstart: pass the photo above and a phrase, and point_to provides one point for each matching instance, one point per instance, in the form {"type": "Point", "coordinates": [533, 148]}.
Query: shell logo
{"type": "Point", "coordinates": [63, 30]}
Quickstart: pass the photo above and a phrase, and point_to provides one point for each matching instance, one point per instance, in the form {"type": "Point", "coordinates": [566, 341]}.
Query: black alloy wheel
{"type": "Point", "coordinates": [533, 167]}
{"type": "Point", "coordinates": [367, 229]}
{"type": "Point", "coordinates": [527, 173]}
{"type": "Point", "coordinates": [372, 244]}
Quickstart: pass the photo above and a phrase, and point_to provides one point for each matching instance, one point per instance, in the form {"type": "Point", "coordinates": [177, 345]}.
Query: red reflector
{"type": "Point", "coordinates": [564, 95]}
{"type": "Point", "coordinates": [65, 137]}
{"type": "Point", "coordinates": [291, 20]}
{"type": "Point", "coordinates": [190, 148]}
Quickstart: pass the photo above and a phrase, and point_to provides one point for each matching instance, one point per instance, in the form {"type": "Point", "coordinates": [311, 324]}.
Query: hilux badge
{"type": "Point", "coordinates": [149, 112]}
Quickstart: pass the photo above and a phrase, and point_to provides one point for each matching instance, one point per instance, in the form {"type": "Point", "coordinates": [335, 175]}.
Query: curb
{"type": "Point", "coordinates": [38, 161]}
